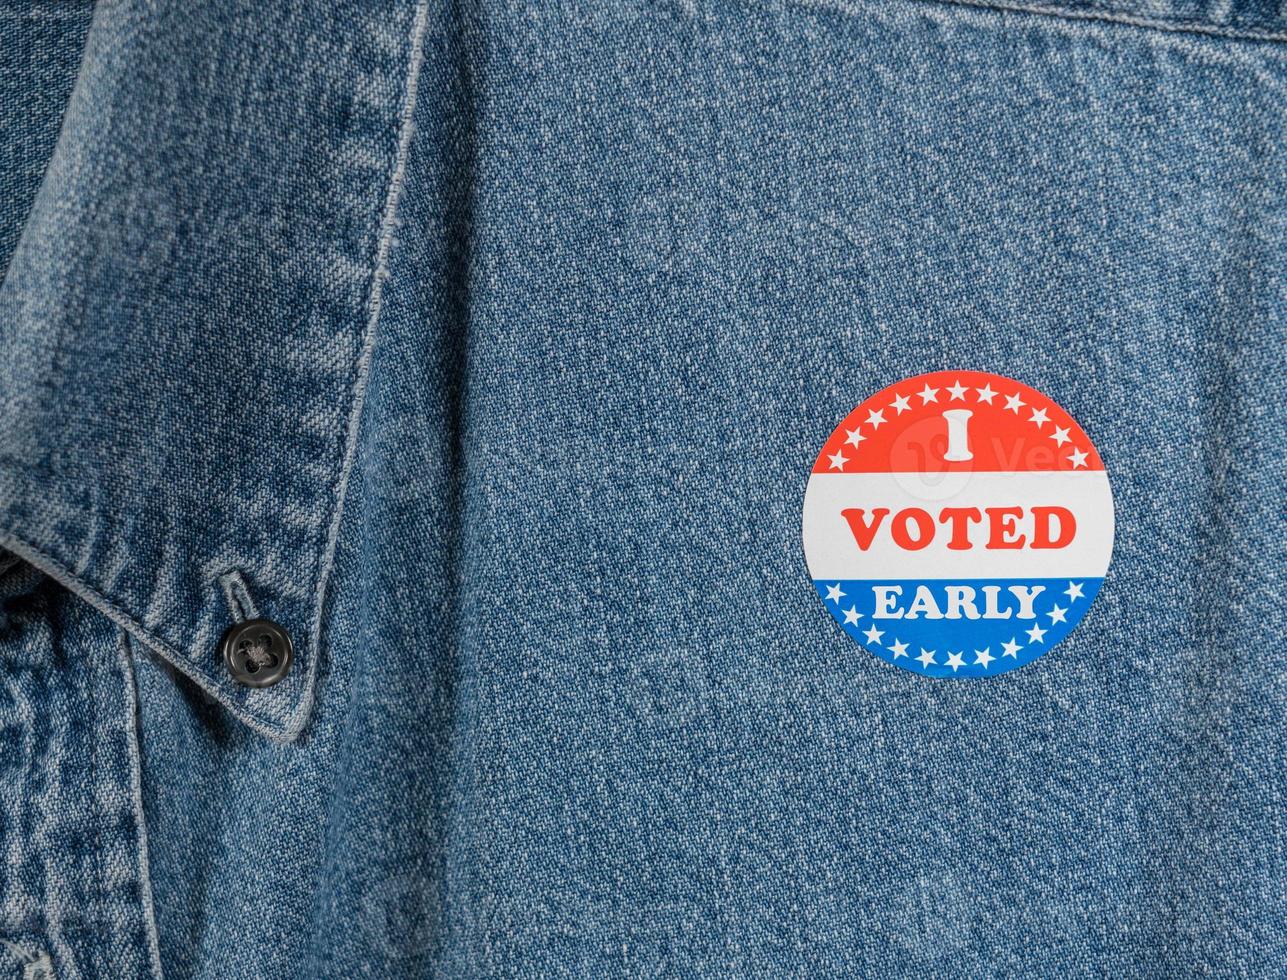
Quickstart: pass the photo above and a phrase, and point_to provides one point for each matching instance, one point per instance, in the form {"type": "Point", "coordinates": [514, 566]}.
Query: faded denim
{"type": "Point", "coordinates": [486, 346]}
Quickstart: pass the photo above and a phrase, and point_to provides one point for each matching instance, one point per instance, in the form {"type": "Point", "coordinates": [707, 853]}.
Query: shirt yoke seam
{"type": "Point", "coordinates": [1168, 25]}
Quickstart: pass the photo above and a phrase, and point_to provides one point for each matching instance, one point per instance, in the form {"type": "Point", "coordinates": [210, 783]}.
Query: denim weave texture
{"type": "Point", "coordinates": [486, 346]}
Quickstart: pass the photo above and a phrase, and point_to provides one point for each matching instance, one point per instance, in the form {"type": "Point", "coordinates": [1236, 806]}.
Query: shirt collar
{"type": "Point", "coordinates": [187, 321]}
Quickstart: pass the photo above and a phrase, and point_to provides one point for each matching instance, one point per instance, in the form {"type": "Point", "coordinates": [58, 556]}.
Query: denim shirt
{"type": "Point", "coordinates": [486, 348]}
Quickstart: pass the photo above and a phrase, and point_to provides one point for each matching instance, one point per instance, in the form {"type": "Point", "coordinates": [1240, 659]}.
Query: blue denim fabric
{"type": "Point", "coordinates": [75, 886]}
{"type": "Point", "coordinates": [486, 347]}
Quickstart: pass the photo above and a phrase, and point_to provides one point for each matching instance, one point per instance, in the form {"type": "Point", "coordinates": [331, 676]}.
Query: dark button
{"type": "Point", "coordinates": [257, 652]}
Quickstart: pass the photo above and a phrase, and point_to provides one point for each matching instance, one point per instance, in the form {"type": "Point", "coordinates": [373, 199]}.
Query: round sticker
{"type": "Point", "coordinates": [958, 524]}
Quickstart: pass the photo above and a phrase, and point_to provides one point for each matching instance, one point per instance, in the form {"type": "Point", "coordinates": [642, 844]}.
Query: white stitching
{"type": "Point", "coordinates": [36, 558]}
{"type": "Point", "coordinates": [136, 789]}
{"type": "Point", "coordinates": [240, 604]}
{"type": "Point", "coordinates": [1113, 17]}
{"type": "Point", "coordinates": [388, 222]}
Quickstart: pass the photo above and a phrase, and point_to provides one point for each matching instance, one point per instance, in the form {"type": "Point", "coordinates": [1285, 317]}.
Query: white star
{"type": "Point", "coordinates": [983, 657]}
{"type": "Point", "coordinates": [928, 394]}
{"type": "Point", "coordinates": [899, 648]}
{"type": "Point", "coordinates": [838, 460]}
{"type": "Point", "coordinates": [1073, 592]}
{"type": "Point", "coordinates": [1011, 649]}
{"type": "Point", "coordinates": [1039, 416]}
{"type": "Point", "coordinates": [926, 658]}
{"type": "Point", "coordinates": [851, 616]}
{"type": "Point", "coordinates": [1036, 634]}
{"type": "Point", "coordinates": [1057, 615]}
{"type": "Point", "coordinates": [954, 661]}
{"type": "Point", "coordinates": [1078, 458]}
{"type": "Point", "coordinates": [833, 593]}
{"type": "Point", "coordinates": [986, 394]}
{"type": "Point", "coordinates": [958, 391]}
{"type": "Point", "coordinates": [1060, 436]}
{"type": "Point", "coordinates": [1013, 403]}
{"type": "Point", "coordinates": [875, 419]}
{"type": "Point", "coordinates": [854, 437]}
{"type": "Point", "coordinates": [873, 635]}
{"type": "Point", "coordinates": [900, 404]}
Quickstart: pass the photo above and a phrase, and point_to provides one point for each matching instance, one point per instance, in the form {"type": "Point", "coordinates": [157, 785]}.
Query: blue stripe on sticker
{"type": "Point", "coordinates": [958, 628]}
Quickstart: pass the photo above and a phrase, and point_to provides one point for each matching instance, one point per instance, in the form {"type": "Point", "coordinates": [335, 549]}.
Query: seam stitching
{"type": "Point", "coordinates": [235, 591]}
{"type": "Point", "coordinates": [1110, 17]}
{"type": "Point", "coordinates": [132, 736]}
{"type": "Point", "coordinates": [55, 570]}
{"type": "Point", "coordinates": [388, 223]}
